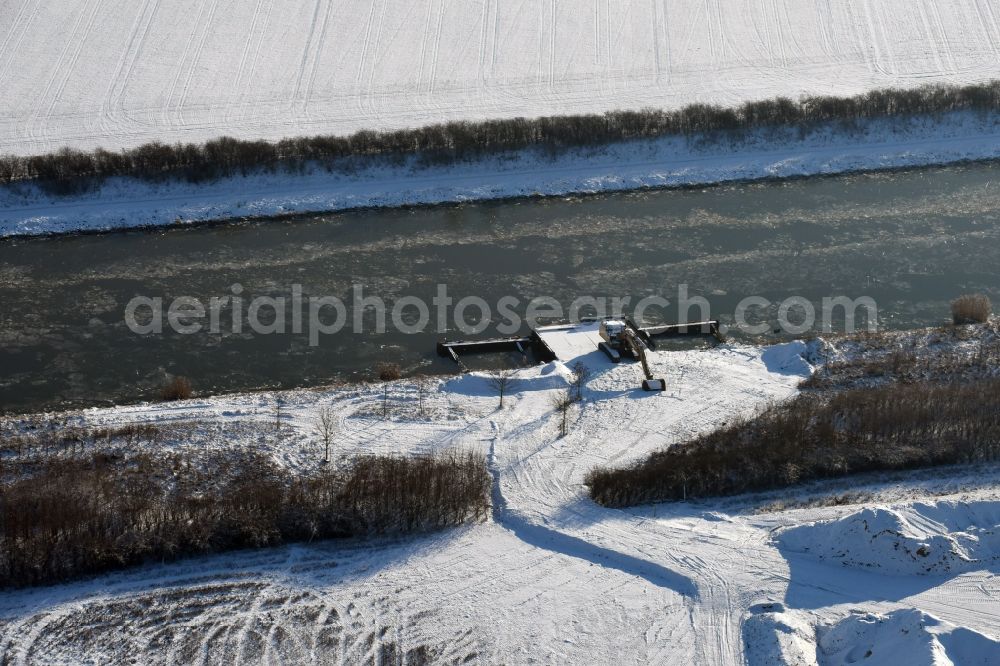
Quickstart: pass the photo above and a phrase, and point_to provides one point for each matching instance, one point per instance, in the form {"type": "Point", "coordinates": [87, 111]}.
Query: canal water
{"type": "Point", "coordinates": [911, 241]}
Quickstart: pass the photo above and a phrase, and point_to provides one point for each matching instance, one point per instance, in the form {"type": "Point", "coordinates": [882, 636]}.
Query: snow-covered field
{"type": "Point", "coordinates": [552, 578]}
{"type": "Point", "coordinates": [126, 202]}
{"type": "Point", "coordinates": [115, 73]}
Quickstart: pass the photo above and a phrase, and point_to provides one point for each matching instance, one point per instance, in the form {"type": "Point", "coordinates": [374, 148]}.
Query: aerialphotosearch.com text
{"type": "Point", "coordinates": [362, 313]}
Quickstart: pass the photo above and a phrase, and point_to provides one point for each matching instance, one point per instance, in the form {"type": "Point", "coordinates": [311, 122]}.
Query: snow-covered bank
{"type": "Point", "coordinates": [553, 578]}
{"type": "Point", "coordinates": [670, 162]}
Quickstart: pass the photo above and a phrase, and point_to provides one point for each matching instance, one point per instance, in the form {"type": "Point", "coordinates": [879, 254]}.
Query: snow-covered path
{"type": "Point", "coordinates": [115, 73]}
{"type": "Point", "coordinates": [553, 578]}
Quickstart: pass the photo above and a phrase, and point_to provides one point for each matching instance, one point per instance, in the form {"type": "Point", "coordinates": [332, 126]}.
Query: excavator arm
{"type": "Point", "coordinates": [638, 346]}
{"type": "Point", "coordinates": [639, 349]}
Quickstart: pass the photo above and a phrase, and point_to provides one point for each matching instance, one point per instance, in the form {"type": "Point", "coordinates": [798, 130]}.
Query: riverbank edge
{"type": "Point", "coordinates": [778, 155]}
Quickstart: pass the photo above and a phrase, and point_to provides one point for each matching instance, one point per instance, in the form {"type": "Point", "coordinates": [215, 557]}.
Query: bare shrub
{"type": "Point", "coordinates": [78, 515]}
{"type": "Point", "coordinates": [562, 403]}
{"type": "Point", "coordinates": [971, 309]}
{"type": "Point", "coordinates": [383, 493]}
{"type": "Point", "coordinates": [178, 388]}
{"type": "Point", "coordinates": [897, 426]}
{"type": "Point", "coordinates": [581, 373]}
{"type": "Point", "coordinates": [67, 170]}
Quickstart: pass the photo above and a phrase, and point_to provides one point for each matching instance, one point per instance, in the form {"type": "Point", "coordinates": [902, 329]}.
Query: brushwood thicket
{"type": "Point", "coordinates": [68, 170]}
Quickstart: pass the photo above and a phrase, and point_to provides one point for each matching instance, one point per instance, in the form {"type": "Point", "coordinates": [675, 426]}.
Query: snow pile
{"type": "Point", "coordinates": [789, 358]}
{"type": "Point", "coordinates": [939, 538]}
{"type": "Point", "coordinates": [906, 636]}
{"type": "Point", "coordinates": [547, 377]}
{"type": "Point", "coordinates": [774, 635]}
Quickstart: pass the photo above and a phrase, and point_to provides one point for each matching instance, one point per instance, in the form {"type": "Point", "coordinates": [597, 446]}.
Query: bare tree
{"type": "Point", "coordinates": [581, 373]}
{"type": "Point", "coordinates": [326, 428]}
{"type": "Point", "coordinates": [423, 384]}
{"type": "Point", "coordinates": [502, 381]}
{"type": "Point", "coordinates": [387, 372]}
{"type": "Point", "coordinates": [277, 413]}
{"type": "Point", "coordinates": [563, 403]}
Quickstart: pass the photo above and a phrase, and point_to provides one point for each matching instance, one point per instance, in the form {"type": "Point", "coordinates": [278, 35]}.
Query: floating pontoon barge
{"type": "Point", "coordinates": [536, 342]}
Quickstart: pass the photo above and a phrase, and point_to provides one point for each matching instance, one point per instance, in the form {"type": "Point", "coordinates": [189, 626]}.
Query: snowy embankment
{"type": "Point", "coordinates": [669, 162]}
{"type": "Point", "coordinates": [938, 538]}
{"type": "Point", "coordinates": [775, 635]}
{"type": "Point", "coordinates": [552, 578]}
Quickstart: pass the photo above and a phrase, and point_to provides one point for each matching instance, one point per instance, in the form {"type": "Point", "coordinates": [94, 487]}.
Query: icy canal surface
{"type": "Point", "coordinates": [911, 241]}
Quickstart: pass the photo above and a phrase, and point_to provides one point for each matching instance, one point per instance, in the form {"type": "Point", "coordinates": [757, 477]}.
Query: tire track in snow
{"type": "Point", "coordinates": [763, 36]}
{"type": "Point", "coordinates": [992, 41]}
{"type": "Point", "coordinates": [172, 88]}
{"type": "Point", "coordinates": [496, 34]}
{"type": "Point", "coordinates": [552, 44]}
{"type": "Point", "coordinates": [570, 546]}
{"type": "Point", "coordinates": [484, 18]}
{"type": "Point", "coordinates": [306, 50]}
{"type": "Point", "coordinates": [436, 50]}
{"type": "Point", "coordinates": [106, 114]}
{"type": "Point", "coordinates": [45, 99]}
{"type": "Point", "coordinates": [363, 100]}
{"type": "Point", "coordinates": [5, 63]}
{"type": "Point", "coordinates": [824, 20]}
{"type": "Point", "coordinates": [661, 41]}
{"type": "Point", "coordinates": [185, 91]}
{"type": "Point", "coordinates": [873, 39]}
{"type": "Point", "coordinates": [776, 15]}
{"type": "Point", "coordinates": [922, 10]}
{"type": "Point", "coordinates": [692, 24]}
{"type": "Point", "coordinates": [115, 106]}
{"type": "Point", "coordinates": [247, 45]}
{"type": "Point", "coordinates": [14, 25]}
{"type": "Point", "coordinates": [317, 56]}
{"type": "Point", "coordinates": [251, 615]}
{"type": "Point", "coordinates": [608, 53]}
{"type": "Point", "coordinates": [424, 36]}
{"type": "Point", "coordinates": [597, 33]}
{"type": "Point", "coordinates": [68, 69]}
{"type": "Point", "coordinates": [949, 52]}
{"type": "Point", "coordinates": [245, 93]}
{"type": "Point", "coordinates": [376, 54]}
{"type": "Point", "coordinates": [713, 57]}
{"type": "Point", "coordinates": [723, 38]}
{"type": "Point", "coordinates": [866, 48]}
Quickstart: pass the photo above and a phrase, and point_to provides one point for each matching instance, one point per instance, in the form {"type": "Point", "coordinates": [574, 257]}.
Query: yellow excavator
{"type": "Point", "coordinates": [620, 337]}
